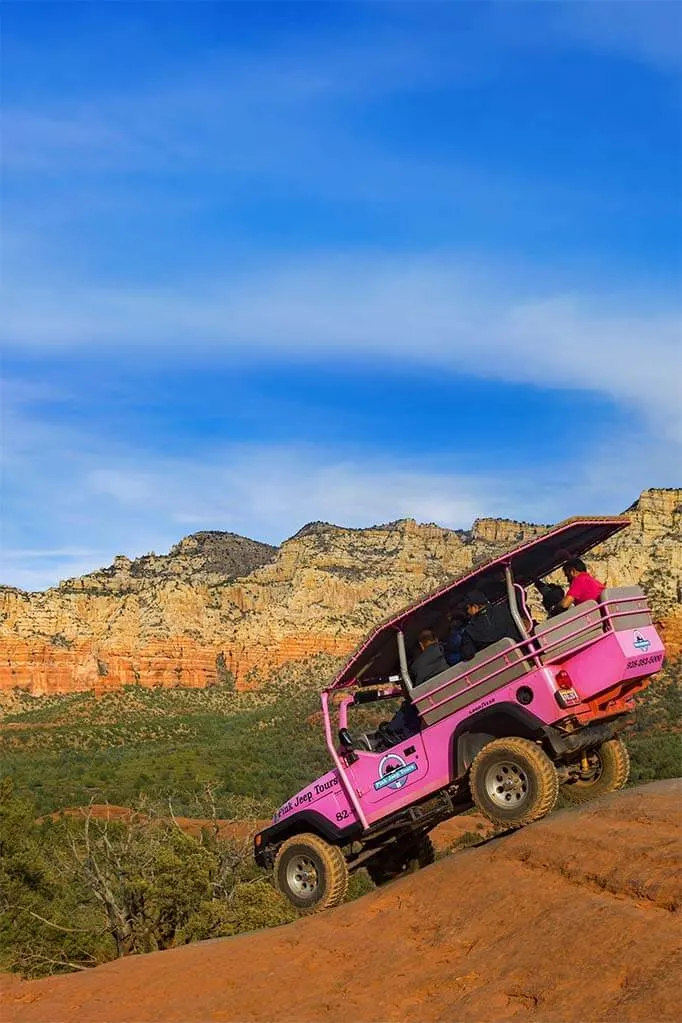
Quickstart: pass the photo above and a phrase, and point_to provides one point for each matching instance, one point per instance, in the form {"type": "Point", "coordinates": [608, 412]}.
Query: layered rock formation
{"type": "Point", "coordinates": [222, 609]}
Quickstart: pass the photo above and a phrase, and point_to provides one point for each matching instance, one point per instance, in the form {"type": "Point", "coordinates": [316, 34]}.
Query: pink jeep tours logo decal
{"type": "Point", "coordinates": [393, 772]}
{"type": "Point", "coordinates": [641, 643]}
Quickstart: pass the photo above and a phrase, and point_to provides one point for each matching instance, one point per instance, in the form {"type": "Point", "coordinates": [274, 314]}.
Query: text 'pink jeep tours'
{"type": "Point", "coordinates": [502, 731]}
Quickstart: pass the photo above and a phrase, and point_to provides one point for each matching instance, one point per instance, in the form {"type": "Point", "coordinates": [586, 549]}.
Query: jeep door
{"type": "Point", "coordinates": [392, 779]}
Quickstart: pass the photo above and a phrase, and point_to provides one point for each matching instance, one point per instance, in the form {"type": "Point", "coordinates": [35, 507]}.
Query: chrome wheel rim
{"type": "Point", "coordinates": [302, 877]}
{"type": "Point", "coordinates": [507, 784]}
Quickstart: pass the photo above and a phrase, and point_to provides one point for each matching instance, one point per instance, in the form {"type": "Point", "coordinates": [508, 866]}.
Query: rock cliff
{"type": "Point", "coordinates": [223, 609]}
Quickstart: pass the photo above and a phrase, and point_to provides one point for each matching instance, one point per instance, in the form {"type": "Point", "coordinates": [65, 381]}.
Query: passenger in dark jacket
{"type": "Point", "coordinates": [429, 661]}
{"type": "Point", "coordinates": [453, 644]}
{"type": "Point", "coordinates": [486, 625]}
{"type": "Point", "coordinates": [403, 724]}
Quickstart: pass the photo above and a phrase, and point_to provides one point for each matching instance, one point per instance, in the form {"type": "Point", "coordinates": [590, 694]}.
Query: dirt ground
{"type": "Point", "coordinates": [573, 919]}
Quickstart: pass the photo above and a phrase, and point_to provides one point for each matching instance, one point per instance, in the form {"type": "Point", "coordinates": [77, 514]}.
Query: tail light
{"type": "Point", "coordinates": [566, 695]}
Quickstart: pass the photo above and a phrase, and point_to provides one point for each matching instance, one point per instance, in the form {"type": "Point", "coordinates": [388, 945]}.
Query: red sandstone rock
{"type": "Point", "coordinates": [169, 621]}
{"type": "Point", "coordinates": [573, 918]}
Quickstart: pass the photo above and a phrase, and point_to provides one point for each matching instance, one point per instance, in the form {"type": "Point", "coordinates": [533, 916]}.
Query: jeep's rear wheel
{"type": "Point", "coordinates": [513, 782]}
{"type": "Point", "coordinates": [403, 859]}
{"type": "Point", "coordinates": [607, 770]}
{"type": "Point", "coordinates": [310, 873]}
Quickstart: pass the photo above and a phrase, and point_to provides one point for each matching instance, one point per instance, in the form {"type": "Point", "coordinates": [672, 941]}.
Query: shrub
{"type": "Point", "coordinates": [654, 756]}
{"type": "Point", "coordinates": [83, 890]}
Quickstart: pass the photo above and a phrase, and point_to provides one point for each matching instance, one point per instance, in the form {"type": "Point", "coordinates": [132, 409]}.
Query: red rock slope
{"type": "Point", "coordinates": [574, 918]}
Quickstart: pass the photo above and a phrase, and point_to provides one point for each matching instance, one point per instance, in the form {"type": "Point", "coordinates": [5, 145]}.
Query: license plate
{"type": "Point", "coordinates": [568, 697]}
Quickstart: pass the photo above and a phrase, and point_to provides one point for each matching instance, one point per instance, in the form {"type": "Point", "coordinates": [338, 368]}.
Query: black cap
{"type": "Point", "coordinates": [476, 597]}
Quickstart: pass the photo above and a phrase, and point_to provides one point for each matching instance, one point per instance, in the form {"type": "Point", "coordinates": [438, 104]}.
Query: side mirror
{"type": "Point", "coordinates": [347, 743]}
{"type": "Point", "coordinates": [345, 738]}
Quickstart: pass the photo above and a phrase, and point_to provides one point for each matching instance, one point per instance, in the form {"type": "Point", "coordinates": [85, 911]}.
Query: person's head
{"type": "Point", "coordinates": [457, 616]}
{"type": "Point", "coordinates": [573, 567]}
{"type": "Point", "coordinates": [426, 638]}
{"type": "Point", "coordinates": [475, 601]}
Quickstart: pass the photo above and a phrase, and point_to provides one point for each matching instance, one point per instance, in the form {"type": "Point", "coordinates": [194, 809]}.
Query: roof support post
{"type": "Point", "coordinates": [513, 605]}
{"type": "Point", "coordinates": [402, 658]}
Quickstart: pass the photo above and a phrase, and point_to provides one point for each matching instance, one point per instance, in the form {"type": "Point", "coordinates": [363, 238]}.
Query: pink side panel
{"type": "Point", "coordinates": [433, 750]}
{"type": "Point", "coordinates": [615, 658]}
{"type": "Point", "coordinates": [422, 764]}
{"type": "Point", "coordinates": [325, 796]}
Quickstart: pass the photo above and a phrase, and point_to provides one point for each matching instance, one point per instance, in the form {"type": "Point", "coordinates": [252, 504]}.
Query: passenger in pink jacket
{"type": "Point", "coordinates": [582, 586]}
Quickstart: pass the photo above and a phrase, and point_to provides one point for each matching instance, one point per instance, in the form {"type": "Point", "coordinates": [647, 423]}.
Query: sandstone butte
{"type": "Point", "coordinates": [223, 609]}
{"type": "Point", "coordinates": [573, 918]}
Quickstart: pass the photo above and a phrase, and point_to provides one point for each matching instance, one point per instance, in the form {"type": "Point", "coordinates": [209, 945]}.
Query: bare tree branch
{"type": "Point", "coordinates": [58, 927]}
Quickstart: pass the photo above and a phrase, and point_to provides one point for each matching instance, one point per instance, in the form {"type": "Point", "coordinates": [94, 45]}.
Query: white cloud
{"type": "Point", "coordinates": [238, 111]}
{"type": "Point", "coordinates": [647, 31]}
{"type": "Point", "coordinates": [408, 311]}
{"type": "Point", "coordinates": [246, 110]}
{"type": "Point", "coordinates": [74, 500]}
{"type": "Point", "coordinates": [270, 491]}
{"type": "Point", "coordinates": [120, 499]}
{"type": "Point", "coordinates": [57, 552]}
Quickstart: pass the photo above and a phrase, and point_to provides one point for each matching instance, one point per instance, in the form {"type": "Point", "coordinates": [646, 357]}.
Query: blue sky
{"type": "Point", "coordinates": [270, 263]}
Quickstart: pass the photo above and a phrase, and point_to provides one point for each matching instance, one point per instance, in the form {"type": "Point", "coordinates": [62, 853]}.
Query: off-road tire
{"type": "Point", "coordinates": [513, 782]}
{"type": "Point", "coordinates": [406, 860]}
{"type": "Point", "coordinates": [303, 856]}
{"type": "Point", "coordinates": [613, 773]}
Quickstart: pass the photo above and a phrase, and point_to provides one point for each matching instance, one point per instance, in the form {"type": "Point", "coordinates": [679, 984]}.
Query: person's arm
{"type": "Point", "coordinates": [415, 668]}
{"type": "Point", "coordinates": [468, 648]}
{"type": "Point", "coordinates": [453, 646]}
{"type": "Point", "coordinates": [573, 593]}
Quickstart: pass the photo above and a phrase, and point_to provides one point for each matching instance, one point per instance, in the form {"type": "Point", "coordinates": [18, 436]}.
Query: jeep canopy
{"type": "Point", "coordinates": [377, 658]}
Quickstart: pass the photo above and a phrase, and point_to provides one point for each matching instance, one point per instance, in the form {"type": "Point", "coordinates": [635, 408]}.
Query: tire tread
{"type": "Point", "coordinates": [618, 774]}
{"type": "Point", "coordinates": [335, 866]}
{"type": "Point", "coordinates": [381, 871]}
{"type": "Point", "coordinates": [548, 781]}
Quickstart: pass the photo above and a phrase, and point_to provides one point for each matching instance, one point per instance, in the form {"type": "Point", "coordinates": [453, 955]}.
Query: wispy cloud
{"type": "Point", "coordinates": [118, 497]}
{"type": "Point", "coordinates": [121, 498]}
{"type": "Point", "coordinates": [217, 162]}
{"type": "Point", "coordinates": [238, 112]}
{"type": "Point", "coordinates": [413, 311]}
{"type": "Point", "coordinates": [292, 113]}
{"type": "Point", "coordinates": [646, 31]}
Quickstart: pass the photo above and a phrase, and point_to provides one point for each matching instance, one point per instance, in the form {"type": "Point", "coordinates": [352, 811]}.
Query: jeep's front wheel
{"type": "Point", "coordinates": [513, 782]}
{"type": "Point", "coordinates": [310, 873]}
{"type": "Point", "coordinates": [607, 770]}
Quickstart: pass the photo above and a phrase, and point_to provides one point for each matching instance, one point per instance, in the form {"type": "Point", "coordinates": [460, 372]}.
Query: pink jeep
{"type": "Point", "coordinates": [504, 731]}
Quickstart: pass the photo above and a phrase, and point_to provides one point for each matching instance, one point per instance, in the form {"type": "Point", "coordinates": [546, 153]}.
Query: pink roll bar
{"type": "Point", "coordinates": [338, 763]}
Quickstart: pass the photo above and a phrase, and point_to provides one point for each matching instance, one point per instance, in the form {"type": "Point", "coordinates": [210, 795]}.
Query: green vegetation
{"type": "Point", "coordinates": [66, 901]}
{"type": "Point", "coordinates": [655, 744]}
{"type": "Point", "coordinates": [167, 745]}
{"type": "Point", "coordinates": [81, 890]}
{"type": "Point", "coordinates": [262, 747]}
{"type": "Point", "coordinates": [170, 744]}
